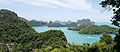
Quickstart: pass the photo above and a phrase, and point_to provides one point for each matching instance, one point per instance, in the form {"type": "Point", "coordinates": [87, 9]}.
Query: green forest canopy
{"type": "Point", "coordinates": [94, 29]}
{"type": "Point", "coordinates": [115, 6]}
{"type": "Point", "coordinates": [16, 36]}
{"type": "Point", "coordinates": [23, 37]}
{"type": "Point", "coordinates": [10, 23]}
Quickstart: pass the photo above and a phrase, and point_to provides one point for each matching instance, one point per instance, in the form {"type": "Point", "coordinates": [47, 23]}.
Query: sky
{"type": "Point", "coordinates": [63, 10]}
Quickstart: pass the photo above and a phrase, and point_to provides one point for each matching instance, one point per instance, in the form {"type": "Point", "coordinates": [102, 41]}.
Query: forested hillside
{"type": "Point", "coordinates": [16, 36]}
{"type": "Point", "coordinates": [22, 37]}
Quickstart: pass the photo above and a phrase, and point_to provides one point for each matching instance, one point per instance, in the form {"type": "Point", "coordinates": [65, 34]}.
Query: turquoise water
{"type": "Point", "coordinates": [73, 36]}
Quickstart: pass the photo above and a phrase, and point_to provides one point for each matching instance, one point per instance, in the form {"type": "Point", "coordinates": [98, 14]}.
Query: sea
{"type": "Point", "coordinates": [74, 36]}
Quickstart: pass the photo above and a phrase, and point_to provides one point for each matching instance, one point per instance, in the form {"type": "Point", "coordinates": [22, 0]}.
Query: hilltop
{"type": "Point", "coordinates": [16, 32]}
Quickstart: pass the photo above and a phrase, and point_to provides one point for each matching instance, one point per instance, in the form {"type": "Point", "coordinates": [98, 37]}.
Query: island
{"type": "Point", "coordinates": [94, 29]}
{"type": "Point", "coordinates": [77, 28]}
{"type": "Point", "coordinates": [58, 23]}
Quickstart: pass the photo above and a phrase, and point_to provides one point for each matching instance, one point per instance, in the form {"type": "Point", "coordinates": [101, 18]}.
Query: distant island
{"type": "Point", "coordinates": [34, 22]}
{"type": "Point", "coordinates": [17, 34]}
{"type": "Point", "coordinates": [58, 23]}
{"type": "Point", "coordinates": [54, 24]}
{"type": "Point", "coordinates": [94, 29]}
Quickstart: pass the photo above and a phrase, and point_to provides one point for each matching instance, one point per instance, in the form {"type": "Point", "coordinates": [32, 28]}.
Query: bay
{"type": "Point", "coordinates": [73, 36]}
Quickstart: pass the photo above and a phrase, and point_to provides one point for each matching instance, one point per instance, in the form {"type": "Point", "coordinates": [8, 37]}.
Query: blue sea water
{"type": "Point", "coordinates": [73, 36]}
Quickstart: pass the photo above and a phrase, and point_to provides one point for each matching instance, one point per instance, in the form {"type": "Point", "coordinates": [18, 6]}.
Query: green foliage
{"type": "Point", "coordinates": [25, 38]}
{"type": "Point", "coordinates": [14, 30]}
{"type": "Point", "coordinates": [78, 28]}
{"type": "Point", "coordinates": [36, 23]}
{"type": "Point", "coordinates": [95, 29]}
{"type": "Point", "coordinates": [54, 38]}
{"type": "Point", "coordinates": [106, 38]}
{"type": "Point", "coordinates": [4, 48]}
{"type": "Point", "coordinates": [55, 25]}
{"type": "Point", "coordinates": [72, 24]}
{"type": "Point", "coordinates": [47, 49]}
{"type": "Point", "coordinates": [115, 6]}
{"type": "Point", "coordinates": [105, 44]}
{"type": "Point", "coordinates": [100, 46]}
{"type": "Point", "coordinates": [18, 36]}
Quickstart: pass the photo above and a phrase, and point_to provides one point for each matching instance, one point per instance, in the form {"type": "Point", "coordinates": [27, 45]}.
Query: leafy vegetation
{"type": "Point", "coordinates": [106, 44]}
{"type": "Point", "coordinates": [55, 25]}
{"type": "Point", "coordinates": [36, 23]}
{"type": "Point", "coordinates": [94, 29]}
{"type": "Point", "coordinates": [78, 28]}
{"type": "Point", "coordinates": [16, 35]}
{"type": "Point", "coordinates": [72, 24]}
{"type": "Point", "coordinates": [115, 6]}
{"type": "Point", "coordinates": [54, 38]}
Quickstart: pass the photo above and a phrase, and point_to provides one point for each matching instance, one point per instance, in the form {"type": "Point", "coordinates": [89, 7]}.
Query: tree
{"type": "Point", "coordinates": [16, 35]}
{"type": "Point", "coordinates": [106, 38]}
{"type": "Point", "coordinates": [115, 6]}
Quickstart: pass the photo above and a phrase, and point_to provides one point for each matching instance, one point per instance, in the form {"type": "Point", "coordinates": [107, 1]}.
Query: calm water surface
{"type": "Point", "coordinates": [73, 36]}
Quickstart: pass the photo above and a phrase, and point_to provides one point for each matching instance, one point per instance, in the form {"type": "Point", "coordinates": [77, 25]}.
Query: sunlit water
{"type": "Point", "coordinates": [73, 36]}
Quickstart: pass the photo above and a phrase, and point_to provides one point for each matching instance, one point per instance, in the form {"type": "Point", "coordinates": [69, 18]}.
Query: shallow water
{"type": "Point", "coordinates": [73, 36]}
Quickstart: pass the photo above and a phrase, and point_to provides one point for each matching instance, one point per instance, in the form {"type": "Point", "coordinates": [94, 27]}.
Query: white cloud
{"type": "Point", "coordinates": [75, 4]}
{"type": "Point", "coordinates": [79, 4]}
{"type": "Point", "coordinates": [4, 2]}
